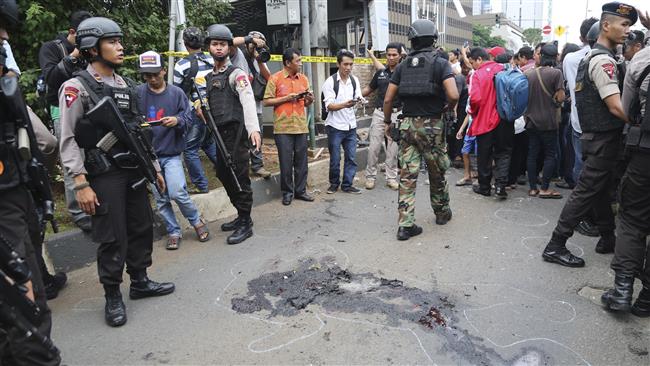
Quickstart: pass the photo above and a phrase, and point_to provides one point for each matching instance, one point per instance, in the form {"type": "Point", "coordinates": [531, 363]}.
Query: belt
{"type": "Point", "coordinates": [395, 110]}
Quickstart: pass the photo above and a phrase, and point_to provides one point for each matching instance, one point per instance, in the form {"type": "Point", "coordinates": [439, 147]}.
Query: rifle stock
{"type": "Point", "coordinates": [212, 126]}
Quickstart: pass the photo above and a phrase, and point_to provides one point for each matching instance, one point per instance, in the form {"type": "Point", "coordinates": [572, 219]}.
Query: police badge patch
{"type": "Point", "coordinates": [415, 61]}
{"type": "Point", "coordinates": [242, 80]}
{"type": "Point", "coordinates": [71, 93]}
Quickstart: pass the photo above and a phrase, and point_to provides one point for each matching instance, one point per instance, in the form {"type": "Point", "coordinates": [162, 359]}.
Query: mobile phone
{"type": "Point", "coordinates": [157, 122]}
{"type": "Point", "coordinates": [465, 44]}
{"type": "Point", "coordinates": [303, 94]}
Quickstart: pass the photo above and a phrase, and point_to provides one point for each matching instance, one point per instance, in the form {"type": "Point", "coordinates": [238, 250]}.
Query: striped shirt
{"type": "Point", "coordinates": [182, 70]}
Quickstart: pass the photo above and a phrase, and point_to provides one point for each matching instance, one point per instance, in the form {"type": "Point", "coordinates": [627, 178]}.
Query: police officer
{"type": "Point", "coordinates": [233, 109]}
{"type": "Point", "coordinates": [425, 84]}
{"type": "Point", "coordinates": [121, 213]}
{"type": "Point", "coordinates": [598, 99]}
{"type": "Point", "coordinates": [631, 256]}
{"type": "Point", "coordinates": [16, 211]}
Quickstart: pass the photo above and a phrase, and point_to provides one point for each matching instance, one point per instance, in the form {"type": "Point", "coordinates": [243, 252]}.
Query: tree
{"type": "Point", "coordinates": [533, 35]}
{"type": "Point", "coordinates": [481, 37]}
{"type": "Point", "coordinates": [145, 24]}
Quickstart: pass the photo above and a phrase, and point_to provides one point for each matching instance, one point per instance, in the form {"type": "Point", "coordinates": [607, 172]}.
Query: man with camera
{"type": "Point", "coordinates": [253, 60]}
{"type": "Point", "coordinates": [58, 60]}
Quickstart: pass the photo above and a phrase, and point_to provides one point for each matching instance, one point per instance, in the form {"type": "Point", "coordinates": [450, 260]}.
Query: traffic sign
{"type": "Point", "coordinates": [546, 30]}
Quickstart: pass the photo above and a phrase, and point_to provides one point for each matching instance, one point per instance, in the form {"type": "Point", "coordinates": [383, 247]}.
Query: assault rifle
{"type": "Point", "coordinates": [212, 126]}
{"type": "Point", "coordinates": [15, 110]}
{"type": "Point", "coordinates": [16, 309]}
{"type": "Point", "coordinates": [140, 155]}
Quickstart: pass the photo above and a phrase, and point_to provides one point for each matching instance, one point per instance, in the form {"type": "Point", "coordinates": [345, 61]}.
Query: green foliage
{"type": "Point", "coordinates": [533, 36]}
{"type": "Point", "coordinates": [481, 37]}
{"type": "Point", "coordinates": [145, 24]}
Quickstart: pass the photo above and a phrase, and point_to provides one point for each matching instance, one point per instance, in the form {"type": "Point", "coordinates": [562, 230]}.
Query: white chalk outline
{"type": "Point", "coordinates": [546, 221]}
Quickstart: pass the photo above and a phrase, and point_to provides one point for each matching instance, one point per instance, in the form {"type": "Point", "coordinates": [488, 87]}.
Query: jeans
{"type": "Point", "coordinates": [68, 182]}
{"type": "Point", "coordinates": [496, 146]}
{"type": "Point", "coordinates": [197, 137]}
{"type": "Point", "coordinates": [172, 170]}
{"type": "Point", "coordinates": [539, 141]}
{"type": "Point", "coordinates": [568, 155]}
{"type": "Point", "coordinates": [577, 150]}
{"type": "Point", "coordinates": [348, 139]}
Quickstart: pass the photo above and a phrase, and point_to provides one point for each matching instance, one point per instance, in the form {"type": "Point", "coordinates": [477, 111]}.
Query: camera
{"type": "Point", "coordinates": [264, 54]}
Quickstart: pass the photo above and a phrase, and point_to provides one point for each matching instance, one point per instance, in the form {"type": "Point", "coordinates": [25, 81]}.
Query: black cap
{"type": "Point", "coordinates": [621, 10]}
{"type": "Point", "coordinates": [549, 49]}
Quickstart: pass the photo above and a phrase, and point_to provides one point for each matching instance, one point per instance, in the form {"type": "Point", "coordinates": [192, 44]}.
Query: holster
{"type": "Point", "coordinates": [394, 129]}
{"type": "Point", "coordinates": [96, 162]}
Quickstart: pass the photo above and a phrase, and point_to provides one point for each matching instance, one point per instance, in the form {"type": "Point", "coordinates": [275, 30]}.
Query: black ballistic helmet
{"type": "Point", "coordinates": [594, 32]}
{"type": "Point", "coordinates": [219, 32]}
{"type": "Point", "coordinates": [422, 28]}
{"type": "Point", "coordinates": [193, 37]}
{"type": "Point", "coordinates": [8, 13]}
{"type": "Point", "coordinates": [91, 30]}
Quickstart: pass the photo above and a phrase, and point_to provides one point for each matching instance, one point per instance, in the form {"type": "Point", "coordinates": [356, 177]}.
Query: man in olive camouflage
{"type": "Point", "coordinates": [426, 85]}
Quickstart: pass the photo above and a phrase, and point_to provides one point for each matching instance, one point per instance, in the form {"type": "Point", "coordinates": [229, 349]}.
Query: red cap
{"type": "Point", "coordinates": [496, 51]}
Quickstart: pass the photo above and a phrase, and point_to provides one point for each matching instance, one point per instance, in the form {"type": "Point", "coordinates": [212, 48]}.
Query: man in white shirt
{"type": "Point", "coordinates": [341, 92]}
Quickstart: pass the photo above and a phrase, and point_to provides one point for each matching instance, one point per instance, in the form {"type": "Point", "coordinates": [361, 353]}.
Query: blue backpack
{"type": "Point", "coordinates": [512, 93]}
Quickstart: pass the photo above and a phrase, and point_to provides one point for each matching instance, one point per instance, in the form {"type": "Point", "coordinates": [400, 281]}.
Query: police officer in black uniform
{"type": "Point", "coordinates": [16, 208]}
{"type": "Point", "coordinates": [632, 257]}
{"type": "Point", "coordinates": [232, 105]}
{"type": "Point", "coordinates": [109, 189]}
{"type": "Point", "coordinates": [598, 99]}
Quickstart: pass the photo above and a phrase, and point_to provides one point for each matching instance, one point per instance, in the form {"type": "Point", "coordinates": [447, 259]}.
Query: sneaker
{"type": "Point", "coordinates": [392, 185]}
{"type": "Point", "coordinates": [261, 172]}
{"type": "Point", "coordinates": [353, 190]}
{"type": "Point", "coordinates": [332, 189]}
{"type": "Point", "coordinates": [370, 183]}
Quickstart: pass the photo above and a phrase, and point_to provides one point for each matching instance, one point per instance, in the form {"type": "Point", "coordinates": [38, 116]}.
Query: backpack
{"type": "Point", "coordinates": [323, 110]}
{"type": "Point", "coordinates": [512, 93]}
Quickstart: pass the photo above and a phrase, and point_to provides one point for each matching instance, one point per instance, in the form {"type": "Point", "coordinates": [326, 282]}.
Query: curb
{"type": "Point", "coordinates": [74, 249]}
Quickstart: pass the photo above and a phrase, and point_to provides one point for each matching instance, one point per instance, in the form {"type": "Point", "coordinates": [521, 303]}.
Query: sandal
{"type": "Point", "coordinates": [552, 195]}
{"type": "Point", "coordinates": [464, 182]}
{"type": "Point", "coordinates": [202, 231]}
{"type": "Point", "coordinates": [173, 242]}
{"type": "Point", "coordinates": [533, 192]}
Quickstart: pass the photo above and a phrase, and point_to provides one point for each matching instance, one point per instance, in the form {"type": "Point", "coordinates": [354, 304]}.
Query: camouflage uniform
{"type": "Point", "coordinates": [422, 138]}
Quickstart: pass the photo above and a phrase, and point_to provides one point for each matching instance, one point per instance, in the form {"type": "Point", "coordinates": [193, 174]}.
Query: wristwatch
{"type": "Point", "coordinates": [248, 39]}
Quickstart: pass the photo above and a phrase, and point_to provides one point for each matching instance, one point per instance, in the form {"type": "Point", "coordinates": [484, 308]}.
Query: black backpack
{"type": "Point", "coordinates": [323, 109]}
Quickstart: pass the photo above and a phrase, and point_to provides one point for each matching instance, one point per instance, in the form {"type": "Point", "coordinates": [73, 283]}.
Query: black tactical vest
{"type": "Point", "coordinates": [13, 169]}
{"type": "Point", "coordinates": [86, 133]}
{"type": "Point", "coordinates": [223, 98]}
{"type": "Point", "coordinates": [593, 113]}
{"type": "Point", "coordinates": [418, 78]}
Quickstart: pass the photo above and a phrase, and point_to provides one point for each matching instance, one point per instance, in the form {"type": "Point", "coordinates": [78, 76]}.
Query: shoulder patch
{"type": "Point", "coordinates": [609, 69]}
{"type": "Point", "coordinates": [242, 81]}
{"type": "Point", "coordinates": [71, 94]}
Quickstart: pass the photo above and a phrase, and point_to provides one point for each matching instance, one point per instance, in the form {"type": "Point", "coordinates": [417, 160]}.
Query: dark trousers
{"type": "Point", "coordinates": [518, 158]}
{"type": "Point", "coordinates": [347, 139]}
{"type": "Point", "coordinates": [122, 226]}
{"type": "Point", "coordinates": [292, 153]}
{"type": "Point", "coordinates": [496, 146]}
{"type": "Point", "coordinates": [16, 206]}
{"type": "Point", "coordinates": [538, 142]}
{"type": "Point", "coordinates": [568, 155]}
{"type": "Point", "coordinates": [592, 191]}
{"type": "Point", "coordinates": [238, 149]}
{"type": "Point", "coordinates": [634, 220]}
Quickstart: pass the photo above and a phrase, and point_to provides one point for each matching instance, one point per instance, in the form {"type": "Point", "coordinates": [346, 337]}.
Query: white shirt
{"type": "Point", "coordinates": [343, 119]}
{"type": "Point", "coordinates": [455, 67]}
{"type": "Point", "coordinates": [10, 63]}
{"type": "Point", "coordinates": [570, 69]}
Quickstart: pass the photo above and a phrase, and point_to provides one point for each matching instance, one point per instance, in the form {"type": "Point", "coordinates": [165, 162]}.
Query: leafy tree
{"type": "Point", "coordinates": [481, 37]}
{"type": "Point", "coordinates": [533, 35]}
{"type": "Point", "coordinates": [145, 24]}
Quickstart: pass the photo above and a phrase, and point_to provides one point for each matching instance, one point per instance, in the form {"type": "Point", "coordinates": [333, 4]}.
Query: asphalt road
{"type": "Point", "coordinates": [315, 285]}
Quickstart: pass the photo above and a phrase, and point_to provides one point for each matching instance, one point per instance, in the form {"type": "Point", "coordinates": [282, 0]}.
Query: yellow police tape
{"type": "Point", "coordinates": [278, 58]}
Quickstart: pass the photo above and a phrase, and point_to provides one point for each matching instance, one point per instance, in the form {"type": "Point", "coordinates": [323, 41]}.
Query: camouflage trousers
{"type": "Point", "coordinates": [422, 138]}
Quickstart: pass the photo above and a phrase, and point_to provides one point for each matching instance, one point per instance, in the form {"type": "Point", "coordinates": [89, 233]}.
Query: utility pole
{"type": "Point", "coordinates": [306, 67]}
{"type": "Point", "coordinates": [173, 18]}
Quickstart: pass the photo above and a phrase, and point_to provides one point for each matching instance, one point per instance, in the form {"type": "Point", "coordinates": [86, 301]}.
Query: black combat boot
{"type": "Point", "coordinates": [641, 307]}
{"type": "Point", "coordinates": [443, 217]}
{"type": "Point", "coordinates": [556, 252]}
{"type": "Point", "coordinates": [243, 231]}
{"type": "Point", "coordinates": [142, 286]}
{"type": "Point", "coordinates": [54, 284]}
{"type": "Point", "coordinates": [406, 232]}
{"type": "Point", "coordinates": [606, 243]}
{"type": "Point", "coordinates": [586, 228]}
{"type": "Point", "coordinates": [114, 311]}
{"type": "Point", "coordinates": [231, 225]}
{"type": "Point", "coordinates": [619, 297]}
